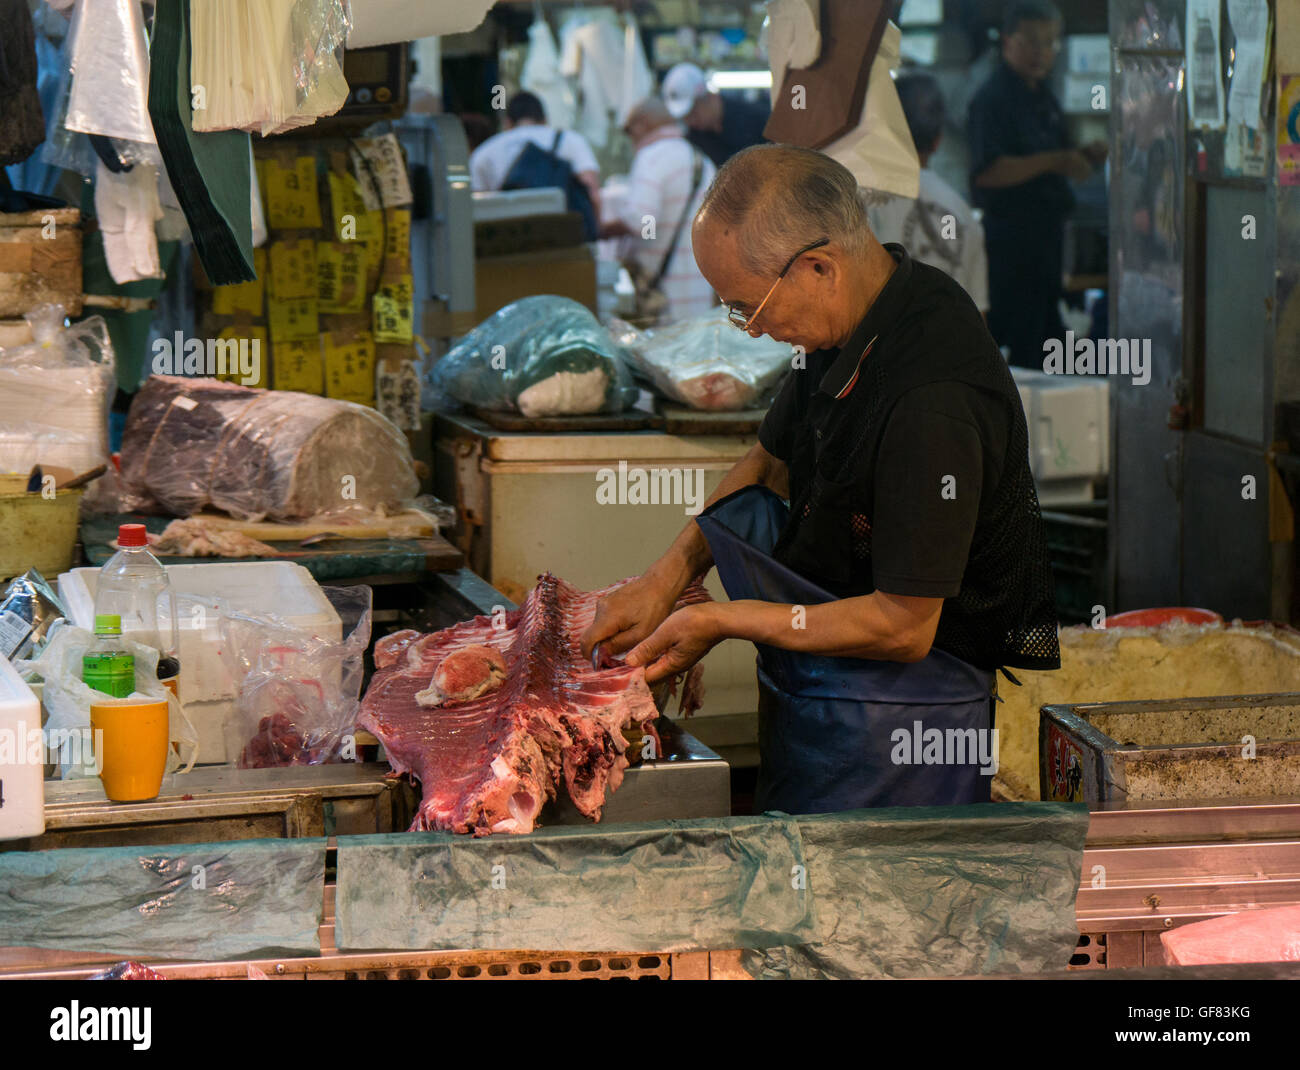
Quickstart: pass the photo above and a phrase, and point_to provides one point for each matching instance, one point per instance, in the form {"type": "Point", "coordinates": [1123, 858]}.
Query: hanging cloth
{"type": "Point", "coordinates": [22, 125]}
{"type": "Point", "coordinates": [209, 173]}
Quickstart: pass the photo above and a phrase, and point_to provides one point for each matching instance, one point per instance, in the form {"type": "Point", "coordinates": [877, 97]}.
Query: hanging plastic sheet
{"type": "Point", "coordinates": [938, 891]}
{"type": "Point", "coordinates": [251, 898]}
{"type": "Point", "coordinates": [210, 173]}
{"type": "Point", "coordinates": [109, 60]}
{"type": "Point", "coordinates": [662, 886]}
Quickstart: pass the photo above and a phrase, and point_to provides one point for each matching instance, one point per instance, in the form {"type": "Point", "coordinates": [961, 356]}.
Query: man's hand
{"type": "Point", "coordinates": [678, 643]}
{"type": "Point", "coordinates": [1073, 164]}
{"type": "Point", "coordinates": [626, 616]}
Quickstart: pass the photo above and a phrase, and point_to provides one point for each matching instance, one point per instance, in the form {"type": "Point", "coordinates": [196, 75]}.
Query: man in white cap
{"type": "Point", "coordinates": [716, 125]}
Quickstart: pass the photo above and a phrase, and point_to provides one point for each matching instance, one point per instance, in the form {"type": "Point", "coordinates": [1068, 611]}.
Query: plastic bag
{"type": "Point", "coordinates": [297, 694]}
{"type": "Point", "coordinates": [66, 700]}
{"type": "Point", "coordinates": [55, 394]}
{"type": "Point", "coordinates": [541, 356]}
{"type": "Point", "coordinates": [706, 363]}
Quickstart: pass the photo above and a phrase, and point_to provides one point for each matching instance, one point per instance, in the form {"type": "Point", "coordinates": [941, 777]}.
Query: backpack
{"type": "Point", "coordinates": [535, 167]}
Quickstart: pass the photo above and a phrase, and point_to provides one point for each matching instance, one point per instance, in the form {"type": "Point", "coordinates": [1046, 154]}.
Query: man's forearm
{"type": "Point", "coordinates": [1016, 170]}
{"type": "Point", "coordinates": [869, 626]}
{"type": "Point", "coordinates": [689, 554]}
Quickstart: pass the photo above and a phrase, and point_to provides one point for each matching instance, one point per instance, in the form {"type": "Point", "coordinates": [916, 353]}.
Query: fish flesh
{"type": "Point", "coordinates": [493, 715]}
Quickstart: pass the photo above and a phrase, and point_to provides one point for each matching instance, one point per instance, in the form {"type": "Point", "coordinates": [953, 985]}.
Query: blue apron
{"type": "Point", "coordinates": [844, 733]}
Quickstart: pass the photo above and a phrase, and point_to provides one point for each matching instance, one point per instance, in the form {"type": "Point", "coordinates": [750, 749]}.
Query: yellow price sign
{"type": "Point", "coordinates": [242, 296]}
{"type": "Point", "coordinates": [293, 318]}
{"type": "Point", "coordinates": [350, 367]}
{"type": "Point", "coordinates": [341, 276]}
{"type": "Point", "coordinates": [291, 197]}
{"type": "Point", "coordinates": [293, 268]}
{"type": "Point", "coordinates": [394, 310]}
{"type": "Point", "coordinates": [296, 365]}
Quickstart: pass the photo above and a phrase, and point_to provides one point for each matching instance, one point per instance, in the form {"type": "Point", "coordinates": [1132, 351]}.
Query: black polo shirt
{"type": "Point", "coordinates": [903, 472]}
{"type": "Point", "coordinates": [1007, 118]}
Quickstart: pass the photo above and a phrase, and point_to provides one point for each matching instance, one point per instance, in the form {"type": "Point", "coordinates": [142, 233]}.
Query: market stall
{"type": "Point", "coordinates": [441, 537]}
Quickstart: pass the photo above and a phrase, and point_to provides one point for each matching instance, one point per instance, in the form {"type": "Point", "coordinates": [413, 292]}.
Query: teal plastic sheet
{"type": "Point", "coordinates": [938, 891]}
{"type": "Point", "coordinates": [661, 886]}
{"type": "Point", "coordinates": [250, 898]}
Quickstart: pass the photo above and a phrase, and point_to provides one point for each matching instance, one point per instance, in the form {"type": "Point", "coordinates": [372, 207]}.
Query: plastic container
{"type": "Point", "coordinates": [35, 531]}
{"type": "Point", "coordinates": [261, 587]}
{"type": "Point", "coordinates": [1153, 618]}
{"type": "Point", "coordinates": [134, 586]}
{"type": "Point", "coordinates": [23, 812]}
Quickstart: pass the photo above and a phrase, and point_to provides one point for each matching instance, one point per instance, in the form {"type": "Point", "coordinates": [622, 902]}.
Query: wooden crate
{"type": "Point", "coordinates": [40, 261]}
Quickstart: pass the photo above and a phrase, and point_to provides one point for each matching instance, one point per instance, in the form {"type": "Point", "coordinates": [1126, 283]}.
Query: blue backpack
{"type": "Point", "coordinates": [536, 167]}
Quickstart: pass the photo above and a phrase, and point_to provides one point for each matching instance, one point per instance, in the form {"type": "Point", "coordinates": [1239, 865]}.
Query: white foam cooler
{"type": "Point", "coordinates": [22, 791]}
{"type": "Point", "coordinates": [263, 588]}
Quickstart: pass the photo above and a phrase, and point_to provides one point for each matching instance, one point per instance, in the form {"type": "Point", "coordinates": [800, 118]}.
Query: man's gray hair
{"type": "Point", "coordinates": [780, 198]}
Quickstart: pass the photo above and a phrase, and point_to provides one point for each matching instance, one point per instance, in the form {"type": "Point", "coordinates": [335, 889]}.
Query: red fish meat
{"type": "Point", "coordinates": [488, 763]}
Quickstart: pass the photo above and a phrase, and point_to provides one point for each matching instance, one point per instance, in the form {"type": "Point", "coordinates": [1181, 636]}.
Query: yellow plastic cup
{"type": "Point", "coordinates": [131, 743]}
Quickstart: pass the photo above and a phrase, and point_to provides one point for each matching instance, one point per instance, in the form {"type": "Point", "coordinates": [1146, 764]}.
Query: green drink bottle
{"type": "Point", "coordinates": [106, 666]}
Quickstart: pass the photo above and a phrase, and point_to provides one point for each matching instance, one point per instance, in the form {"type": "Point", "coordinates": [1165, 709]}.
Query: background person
{"type": "Point", "coordinates": [938, 226]}
{"type": "Point", "coordinates": [1021, 164]}
{"type": "Point", "coordinates": [719, 126]}
{"type": "Point", "coordinates": [525, 121]}
{"type": "Point", "coordinates": [667, 182]}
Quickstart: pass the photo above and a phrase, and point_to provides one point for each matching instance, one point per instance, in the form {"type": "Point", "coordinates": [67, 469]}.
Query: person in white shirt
{"type": "Point", "coordinates": [525, 121]}
{"type": "Point", "coordinates": [938, 227]}
{"type": "Point", "coordinates": [665, 185]}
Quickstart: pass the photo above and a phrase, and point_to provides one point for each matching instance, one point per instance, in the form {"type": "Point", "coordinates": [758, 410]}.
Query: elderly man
{"type": "Point", "coordinates": [666, 185]}
{"type": "Point", "coordinates": [911, 563]}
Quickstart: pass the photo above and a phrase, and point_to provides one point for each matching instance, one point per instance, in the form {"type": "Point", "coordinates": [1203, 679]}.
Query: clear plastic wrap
{"type": "Point", "coordinates": [541, 356]}
{"type": "Point", "coordinates": [194, 443]}
{"type": "Point", "coordinates": [706, 363]}
{"type": "Point", "coordinates": [55, 394]}
{"type": "Point", "coordinates": [296, 693]}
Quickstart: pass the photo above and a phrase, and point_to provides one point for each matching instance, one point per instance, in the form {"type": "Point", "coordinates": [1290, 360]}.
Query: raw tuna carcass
{"type": "Point", "coordinates": [128, 971]}
{"type": "Point", "coordinates": [464, 675]}
{"type": "Point", "coordinates": [489, 763]}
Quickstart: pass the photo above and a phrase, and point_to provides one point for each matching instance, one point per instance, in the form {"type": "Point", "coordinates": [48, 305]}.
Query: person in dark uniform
{"type": "Point", "coordinates": [1021, 164]}
{"type": "Point", "coordinates": [910, 564]}
{"type": "Point", "coordinates": [717, 125]}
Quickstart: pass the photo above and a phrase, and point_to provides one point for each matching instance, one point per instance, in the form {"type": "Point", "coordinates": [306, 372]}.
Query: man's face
{"type": "Point", "coordinates": [1031, 50]}
{"type": "Point", "coordinates": [797, 313]}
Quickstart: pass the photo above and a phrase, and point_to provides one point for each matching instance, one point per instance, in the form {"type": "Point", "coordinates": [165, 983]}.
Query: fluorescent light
{"type": "Point", "coordinates": [740, 80]}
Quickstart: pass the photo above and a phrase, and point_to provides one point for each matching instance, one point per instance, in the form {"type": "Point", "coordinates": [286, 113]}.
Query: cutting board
{"type": "Point", "coordinates": [680, 420]}
{"type": "Point", "coordinates": [410, 524]}
{"type": "Point", "coordinates": [632, 420]}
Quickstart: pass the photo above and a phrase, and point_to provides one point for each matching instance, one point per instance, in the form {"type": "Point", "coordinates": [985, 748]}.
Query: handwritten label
{"type": "Point", "coordinates": [393, 310]}
{"type": "Point", "coordinates": [350, 367]}
{"type": "Point", "coordinates": [383, 183]}
{"type": "Point", "coordinates": [293, 269]}
{"type": "Point", "coordinates": [291, 198]}
{"type": "Point", "coordinates": [293, 318]}
{"type": "Point", "coordinates": [297, 366]}
{"type": "Point", "coordinates": [340, 276]}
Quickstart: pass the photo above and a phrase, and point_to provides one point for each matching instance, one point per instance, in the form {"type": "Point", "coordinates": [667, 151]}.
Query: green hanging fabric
{"type": "Point", "coordinates": [209, 172]}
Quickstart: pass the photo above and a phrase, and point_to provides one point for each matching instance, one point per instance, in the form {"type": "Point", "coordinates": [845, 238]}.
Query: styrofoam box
{"type": "Point", "coordinates": [1069, 424]}
{"type": "Point", "coordinates": [21, 780]}
{"type": "Point", "coordinates": [264, 588]}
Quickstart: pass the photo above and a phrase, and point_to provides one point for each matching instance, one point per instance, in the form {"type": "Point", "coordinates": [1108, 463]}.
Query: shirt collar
{"type": "Point", "coordinates": [842, 375]}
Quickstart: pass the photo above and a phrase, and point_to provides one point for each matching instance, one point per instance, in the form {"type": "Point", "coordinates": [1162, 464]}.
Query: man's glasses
{"type": "Point", "coordinates": [737, 316]}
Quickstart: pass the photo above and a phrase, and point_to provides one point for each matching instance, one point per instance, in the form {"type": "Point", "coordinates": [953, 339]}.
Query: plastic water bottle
{"type": "Point", "coordinates": [134, 585]}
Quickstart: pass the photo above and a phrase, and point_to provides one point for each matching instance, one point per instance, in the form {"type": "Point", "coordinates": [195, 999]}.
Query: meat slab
{"type": "Point", "coordinates": [489, 761]}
